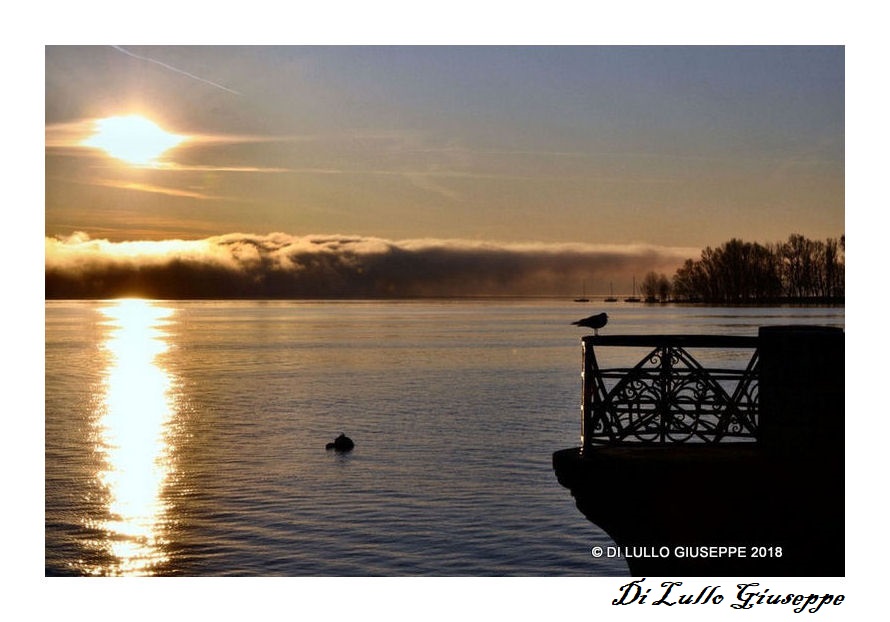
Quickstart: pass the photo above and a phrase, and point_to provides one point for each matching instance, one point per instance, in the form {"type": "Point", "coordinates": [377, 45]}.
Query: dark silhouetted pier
{"type": "Point", "coordinates": [678, 457]}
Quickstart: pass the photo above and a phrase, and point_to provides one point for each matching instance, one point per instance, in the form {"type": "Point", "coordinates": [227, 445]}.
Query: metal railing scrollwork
{"type": "Point", "coordinates": [668, 396]}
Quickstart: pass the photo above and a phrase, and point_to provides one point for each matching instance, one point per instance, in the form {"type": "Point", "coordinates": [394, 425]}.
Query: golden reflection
{"type": "Point", "coordinates": [133, 436]}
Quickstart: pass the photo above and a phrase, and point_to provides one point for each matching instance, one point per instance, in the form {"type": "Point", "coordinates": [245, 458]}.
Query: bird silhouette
{"type": "Point", "coordinates": [341, 443]}
{"type": "Point", "coordinates": [594, 321]}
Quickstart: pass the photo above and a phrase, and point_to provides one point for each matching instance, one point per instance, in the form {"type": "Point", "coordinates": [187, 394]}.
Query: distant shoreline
{"type": "Point", "coordinates": [775, 302]}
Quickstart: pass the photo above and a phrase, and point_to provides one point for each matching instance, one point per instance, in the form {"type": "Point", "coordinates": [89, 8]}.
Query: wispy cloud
{"type": "Point", "coordinates": [70, 137]}
{"type": "Point", "coordinates": [279, 265]}
{"type": "Point", "coordinates": [425, 182]}
{"type": "Point", "coordinates": [209, 168]}
{"type": "Point", "coordinates": [141, 187]}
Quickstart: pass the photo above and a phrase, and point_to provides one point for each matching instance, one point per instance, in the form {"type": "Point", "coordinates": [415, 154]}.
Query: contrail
{"type": "Point", "coordinates": [172, 68]}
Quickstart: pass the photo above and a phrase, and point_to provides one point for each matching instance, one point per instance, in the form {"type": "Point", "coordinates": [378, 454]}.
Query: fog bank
{"type": "Point", "coordinates": [279, 265]}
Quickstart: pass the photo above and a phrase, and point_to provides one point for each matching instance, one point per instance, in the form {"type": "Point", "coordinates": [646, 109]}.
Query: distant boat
{"type": "Point", "coordinates": [583, 297]}
{"type": "Point", "coordinates": [611, 297]}
{"type": "Point", "coordinates": [633, 298]}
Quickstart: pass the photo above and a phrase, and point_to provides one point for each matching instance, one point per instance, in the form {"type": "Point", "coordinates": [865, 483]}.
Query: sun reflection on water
{"type": "Point", "coordinates": [133, 437]}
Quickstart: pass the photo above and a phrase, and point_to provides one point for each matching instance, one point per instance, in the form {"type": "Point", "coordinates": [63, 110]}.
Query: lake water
{"type": "Point", "coordinates": [188, 438]}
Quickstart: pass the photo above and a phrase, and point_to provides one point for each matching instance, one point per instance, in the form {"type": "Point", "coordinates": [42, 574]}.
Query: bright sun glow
{"type": "Point", "coordinates": [133, 139]}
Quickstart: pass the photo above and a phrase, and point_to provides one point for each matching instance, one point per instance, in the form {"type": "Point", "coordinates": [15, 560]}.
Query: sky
{"type": "Point", "coordinates": [645, 153]}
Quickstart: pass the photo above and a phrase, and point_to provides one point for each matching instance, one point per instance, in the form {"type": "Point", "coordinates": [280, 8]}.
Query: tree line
{"type": "Point", "coordinates": [745, 272]}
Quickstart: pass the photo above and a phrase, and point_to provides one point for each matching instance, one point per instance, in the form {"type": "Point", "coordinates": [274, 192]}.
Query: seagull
{"type": "Point", "coordinates": [594, 321]}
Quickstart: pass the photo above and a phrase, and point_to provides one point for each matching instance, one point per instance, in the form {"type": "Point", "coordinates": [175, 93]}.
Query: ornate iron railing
{"type": "Point", "coordinates": [668, 397]}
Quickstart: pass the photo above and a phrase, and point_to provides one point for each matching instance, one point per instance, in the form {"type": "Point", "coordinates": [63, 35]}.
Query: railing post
{"type": "Point", "coordinates": [588, 392]}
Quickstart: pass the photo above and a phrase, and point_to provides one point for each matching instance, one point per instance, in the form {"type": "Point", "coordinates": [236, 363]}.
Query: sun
{"type": "Point", "coordinates": [133, 139]}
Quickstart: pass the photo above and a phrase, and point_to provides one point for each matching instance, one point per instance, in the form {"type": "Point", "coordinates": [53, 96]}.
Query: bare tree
{"type": "Point", "coordinates": [741, 271]}
{"type": "Point", "coordinates": [649, 286]}
{"type": "Point", "coordinates": [664, 288]}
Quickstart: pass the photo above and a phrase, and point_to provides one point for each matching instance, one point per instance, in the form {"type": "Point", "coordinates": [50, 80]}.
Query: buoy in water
{"type": "Point", "coordinates": [341, 443]}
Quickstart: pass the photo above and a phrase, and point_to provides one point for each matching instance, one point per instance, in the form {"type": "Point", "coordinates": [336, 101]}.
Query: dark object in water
{"type": "Point", "coordinates": [341, 443]}
{"type": "Point", "coordinates": [594, 321]}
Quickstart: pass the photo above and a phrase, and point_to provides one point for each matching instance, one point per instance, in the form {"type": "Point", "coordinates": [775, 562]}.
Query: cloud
{"type": "Point", "coordinates": [70, 138]}
{"type": "Point", "coordinates": [279, 265]}
{"type": "Point", "coordinates": [173, 192]}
